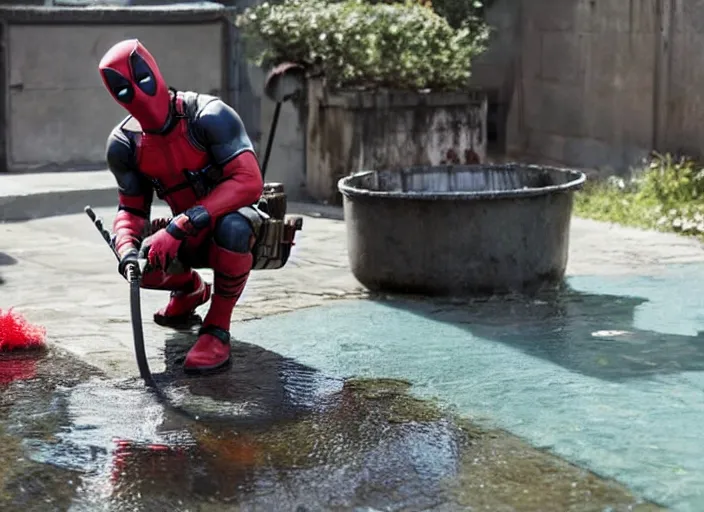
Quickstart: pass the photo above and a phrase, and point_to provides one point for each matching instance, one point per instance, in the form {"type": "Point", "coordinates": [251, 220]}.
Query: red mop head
{"type": "Point", "coordinates": [16, 333]}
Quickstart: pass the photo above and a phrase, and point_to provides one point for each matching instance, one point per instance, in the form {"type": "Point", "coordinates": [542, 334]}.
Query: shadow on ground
{"type": "Point", "coordinates": [316, 210]}
{"type": "Point", "coordinates": [80, 442]}
{"type": "Point", "coordinates": [591, 334]}
{"type": "Point", "coordinates": [259, 388]}
{"type": "Point", "coordinates": [6, 259]}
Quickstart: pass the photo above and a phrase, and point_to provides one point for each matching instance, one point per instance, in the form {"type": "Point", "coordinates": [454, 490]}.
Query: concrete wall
{"type": "Point", "coordinates": [60, 113]}
{"type": "Point", "coordinates": [598, 83]}
{"type": "Point", "coordinates": [493, 71]}
{"type": "Point", "coordinates": [287, 162]}
{"type": "Point", "coordinates": [353, 131]}
{"type": "Point", "coordinates": [680, 98]}
{"type": "Point", "coordinates": [4, 75]}
{"type": "Point", "coordinates": [585, 91]}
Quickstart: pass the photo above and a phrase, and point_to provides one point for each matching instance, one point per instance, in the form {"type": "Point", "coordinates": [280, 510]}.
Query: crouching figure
{"type": "Point", "coordinates": [193, 152]}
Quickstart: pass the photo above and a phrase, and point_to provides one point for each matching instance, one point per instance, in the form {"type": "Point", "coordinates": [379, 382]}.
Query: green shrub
{"type": "Point", "coordinates": [671, 181]}
{"type": "Point", "coordinates": [459, 12]}
{"type": "Point", "coordinates": [358, 44]}
{"type": "Point", "coordinates": [456, 12]}
{"type": "Point", "coordinates": [666, 194]}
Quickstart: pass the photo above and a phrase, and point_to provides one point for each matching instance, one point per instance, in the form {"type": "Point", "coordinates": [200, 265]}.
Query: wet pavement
{"type": "Point", "coordinates": [609, 376]}
{"type": "Point", "coordinates": [5, 259]}
{"type": "Point", "coordinates": [77, 441]}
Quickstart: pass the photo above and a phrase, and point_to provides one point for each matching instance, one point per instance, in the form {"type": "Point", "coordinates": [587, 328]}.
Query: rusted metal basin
{"type": "Point", "coordinates": [459, 230]}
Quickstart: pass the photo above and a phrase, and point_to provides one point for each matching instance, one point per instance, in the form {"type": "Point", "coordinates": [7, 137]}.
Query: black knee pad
{"type": "Point", "coordinates": [233, 232]}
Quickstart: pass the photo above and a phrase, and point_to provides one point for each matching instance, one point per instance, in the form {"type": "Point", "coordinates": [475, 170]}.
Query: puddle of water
{"type": "Point", "coordinates": [608, 375]}
{"type": "Point", "coordinates": [78, 442]}
{"type": "Point", "coordinates": [30, 409]}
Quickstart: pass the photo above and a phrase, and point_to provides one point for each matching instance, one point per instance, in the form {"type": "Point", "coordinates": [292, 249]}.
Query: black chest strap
{"type": "Point", "coordinates": [201, 181]}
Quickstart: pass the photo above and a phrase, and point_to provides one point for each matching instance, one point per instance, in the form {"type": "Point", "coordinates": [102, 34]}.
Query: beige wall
{"type": "Point", "coordinates": [584, 94]}
{"type": "Point", "coordinates": [683, 91]}
{"type": "Point", "coordinates": [599, 83]}
{"type": "Point", "coordinates": [59, 112]}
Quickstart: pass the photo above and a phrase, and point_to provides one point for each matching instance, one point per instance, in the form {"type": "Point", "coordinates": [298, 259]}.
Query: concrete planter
{"type": "Point", "coordinates": [459, 230]}
{"type": "Point", "coordinates": [348, 131]}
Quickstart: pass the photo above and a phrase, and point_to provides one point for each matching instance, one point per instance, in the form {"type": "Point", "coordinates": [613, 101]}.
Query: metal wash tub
{"type": "Point", "coordinates": [457, 230]}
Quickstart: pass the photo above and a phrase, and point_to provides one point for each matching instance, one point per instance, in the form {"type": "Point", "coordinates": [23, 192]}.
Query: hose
{"type": "Point", "coordinates": [138, 331]}
{"type": "Point", "coordinates": [134, 279]}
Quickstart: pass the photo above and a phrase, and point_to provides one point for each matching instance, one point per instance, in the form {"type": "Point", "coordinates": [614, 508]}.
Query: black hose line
{"type": "Point", "coordinates": [138, 331]}
{"type": "Point", "coordinates": [134, 278]}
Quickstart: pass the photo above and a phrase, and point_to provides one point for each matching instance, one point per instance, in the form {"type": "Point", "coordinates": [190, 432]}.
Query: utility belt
{"type": "Point", "coordinates": [274, 232]}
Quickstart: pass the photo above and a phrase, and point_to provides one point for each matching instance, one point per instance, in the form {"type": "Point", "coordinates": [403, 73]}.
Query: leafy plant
{"type": "Point", "coordinates": [460, 12]}
{"type": "Point", "coordinates": [358, 44]}
{"type": "Point", "coordinates": [666, 194]}
{"type": "Point", "coordinates": [456, 12]}
{"type": "Point", "coordinates": [672, 180]}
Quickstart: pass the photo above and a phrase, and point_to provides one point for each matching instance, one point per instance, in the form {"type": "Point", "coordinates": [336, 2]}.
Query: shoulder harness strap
{"type": "Point", "coordinates": [201, 180]}
{"type": "Point", "coordinates": [179, 107]}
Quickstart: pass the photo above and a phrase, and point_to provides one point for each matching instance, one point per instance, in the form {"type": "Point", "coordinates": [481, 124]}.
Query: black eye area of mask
{"type": "Point", "coordinates": [120, 87]}
{"type": "Point", "coordinates": [143, 75]}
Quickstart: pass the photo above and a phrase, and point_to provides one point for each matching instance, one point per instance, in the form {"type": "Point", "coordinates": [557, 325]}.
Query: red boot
{"type": "Point", "coordinates": [212, 350]}
{"type": "Point", "coordinates": [188, 292]}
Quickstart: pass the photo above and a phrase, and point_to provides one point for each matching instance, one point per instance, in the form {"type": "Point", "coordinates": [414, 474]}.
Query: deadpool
{"type": "Point", "coordinates": [192, 151]}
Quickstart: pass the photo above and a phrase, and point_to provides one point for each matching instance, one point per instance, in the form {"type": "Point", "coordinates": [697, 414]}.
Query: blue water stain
{"type": "Point", "coordinates": [609, 375]}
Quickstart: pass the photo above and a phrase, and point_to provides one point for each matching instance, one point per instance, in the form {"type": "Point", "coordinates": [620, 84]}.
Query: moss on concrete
{"type": "Point", "coordinates": [495, 470]}
{"type": "Point", "coordinates": [498, 471]}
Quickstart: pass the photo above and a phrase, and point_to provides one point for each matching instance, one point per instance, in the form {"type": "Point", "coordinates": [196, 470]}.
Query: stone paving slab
{"type": "Point", "coordinates": [64, 277]}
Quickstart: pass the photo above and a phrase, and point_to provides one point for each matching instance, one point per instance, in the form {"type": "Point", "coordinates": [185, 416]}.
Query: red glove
{"type": "Point", "coordinates": [163, 249]}
{"type": "Point", "coordinates": [165, 243]}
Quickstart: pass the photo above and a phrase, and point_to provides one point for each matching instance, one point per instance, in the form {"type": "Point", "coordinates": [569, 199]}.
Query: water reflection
{"type": "Point", "coordinates": [18, 366]}
{"type": "Point", "coordinates": [260, 387]}
{"type": "Point", "coordinates": [354, 445]}
{"type": "Point", "coordinates": [32, 411]}
{"type": "Point", "coordinates": [82, 443]}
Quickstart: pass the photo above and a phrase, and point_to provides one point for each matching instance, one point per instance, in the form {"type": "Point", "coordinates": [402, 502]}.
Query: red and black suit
{"type": "Point", "coordinates": [192, 150]}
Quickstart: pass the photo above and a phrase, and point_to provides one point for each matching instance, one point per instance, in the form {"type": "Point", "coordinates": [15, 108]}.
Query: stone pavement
{"type": "Point", "coordinates": [35, 195]}
{"type": "Point", "coordinates": [59, 272]}
{"type": "Point", "coordinates": [63, 276]}
{"type": "Point", "coordinates": [555, 385]}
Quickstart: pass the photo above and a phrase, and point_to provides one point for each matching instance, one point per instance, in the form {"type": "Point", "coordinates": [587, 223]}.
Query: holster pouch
{"type": "Point", "coordinates": [274, 232]}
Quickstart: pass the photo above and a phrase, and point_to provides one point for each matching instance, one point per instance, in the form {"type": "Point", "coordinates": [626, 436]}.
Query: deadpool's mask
{"type": "Point", "coordinates": [133, 78]}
